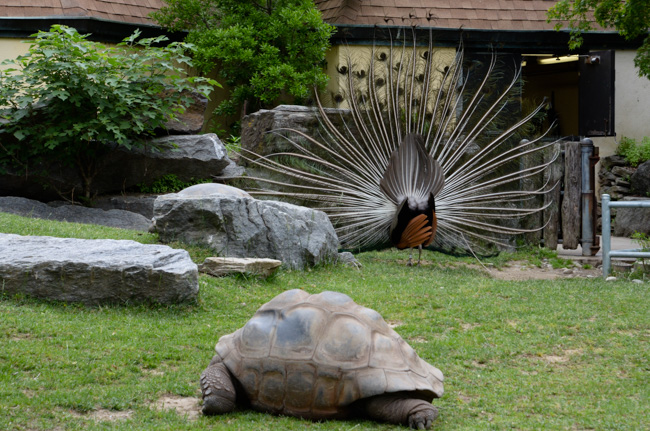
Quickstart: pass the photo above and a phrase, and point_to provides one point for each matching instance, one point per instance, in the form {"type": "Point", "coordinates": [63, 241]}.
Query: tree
{"type": "Point", "coordinates": [261, 49]}
{"type": "Point", "coordinates": [631, 18]}
{"type": "Point", "coordinates": [73, 100]}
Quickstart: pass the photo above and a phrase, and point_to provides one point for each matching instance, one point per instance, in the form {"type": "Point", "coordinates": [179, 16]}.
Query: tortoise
{"type": "Point", "coordinates": [321, 357]}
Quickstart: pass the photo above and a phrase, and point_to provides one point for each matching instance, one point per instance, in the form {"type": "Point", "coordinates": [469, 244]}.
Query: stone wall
{"type": "Point", "coordinates": [627, 183]}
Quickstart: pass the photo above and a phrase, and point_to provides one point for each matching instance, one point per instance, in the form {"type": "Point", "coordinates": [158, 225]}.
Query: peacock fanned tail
{"type": "Point", "coordinates": [421, 133]}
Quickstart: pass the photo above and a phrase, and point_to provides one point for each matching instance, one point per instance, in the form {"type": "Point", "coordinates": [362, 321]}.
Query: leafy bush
{"type": "Point", "coordinates": [633, 152]}
{"type": "Point", "coordinates": [261, 49]}
{"type": "Point", "coordinates": [68, 98]}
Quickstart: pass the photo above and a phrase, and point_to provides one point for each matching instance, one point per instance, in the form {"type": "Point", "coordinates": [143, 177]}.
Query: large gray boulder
{"type": "Point", "coordinates": [96, 271]}
{"type": "Point", "coordinates": [238, 226]}
{"type": "Point", "coordinates": [74, 213]}
{"type": "Point", "coordinates": [255, 127]}
{"type": "Point", "coordinates": [185, 156]}
{"type": "Point", "coordinates": [630, 220]}
{"type": "Point", "coordinates": [640, 180]}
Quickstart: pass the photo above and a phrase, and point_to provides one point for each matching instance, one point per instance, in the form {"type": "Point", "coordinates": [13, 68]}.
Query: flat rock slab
{"type": "Point", "coordinates": [220, 266]}
{"type": "Point", "coordinates": [96, 271]}
{"type": "Point", "coordinates": [74, 213]}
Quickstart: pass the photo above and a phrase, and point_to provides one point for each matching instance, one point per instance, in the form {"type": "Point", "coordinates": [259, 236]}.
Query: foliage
{"type": "Point", "coordinates": [643, 239]}
{"type": "Point", "coordinates": [68, 98]}
{"type": "Point", "coordinates": [261, 49]}
{"type": "Point", "coordinates": [634, 152]}
{"type": "Point", "coordinates": [170, 183]}
{"type": "Point", "coordinates": [631, 18]}
{"type": "Point", "coordinates": [233, 144]}
{"type": "Point", "coordinates": [527, 355]}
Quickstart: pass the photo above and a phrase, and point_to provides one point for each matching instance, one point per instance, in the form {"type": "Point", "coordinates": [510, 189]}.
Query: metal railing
{"type": "Point", "coordinates": [608, 253]}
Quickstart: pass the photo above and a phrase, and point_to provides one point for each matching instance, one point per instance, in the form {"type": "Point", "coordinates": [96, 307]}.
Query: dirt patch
{"type": "Point", "coordinates": [519, 270]}
{"type": "Point", "coordinates": [562, 358]}
{"type": "Point", "coordinates": [468, 326]}
{"type": "Point", "coordinates": [553, 359]}
{"type": "Point", "coordinates": [103, 415]}
{"type": "Point", "coordinates": [394, 323]}
{"type": "Point", "coordinates": [184, 406]}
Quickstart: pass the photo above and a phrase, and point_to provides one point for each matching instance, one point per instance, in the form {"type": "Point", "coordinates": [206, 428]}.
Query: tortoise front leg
{"type": "Point", "coordinates": [400, 409]}
{"type": "Point", "coordinates": [218, 390]}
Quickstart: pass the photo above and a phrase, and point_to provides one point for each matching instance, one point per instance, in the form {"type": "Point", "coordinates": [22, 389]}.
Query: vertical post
{"type": "Point", "coordinates": [551, 214]}
{"type": "Point", "coordinates": [607, 232]}
{"type": "Point", "coordinates": [593, 160]}
{"type": "Point", "coordinates": [571, 202]}
{"type": "Point", "coordinates": [587, 197]}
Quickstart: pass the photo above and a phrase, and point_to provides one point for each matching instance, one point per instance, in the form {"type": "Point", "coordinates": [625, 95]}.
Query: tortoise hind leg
{"type": "Point", "coordinates": [400, 409]}
{"type": "Point", "coordinates": [218, 390]}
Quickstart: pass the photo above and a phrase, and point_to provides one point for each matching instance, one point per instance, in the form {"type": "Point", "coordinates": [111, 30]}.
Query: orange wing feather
{"type": "Point", "coordinates": [416, 233]}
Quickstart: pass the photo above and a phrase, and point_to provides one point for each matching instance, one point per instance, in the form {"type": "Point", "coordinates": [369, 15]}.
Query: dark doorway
{"type": "Point", "coordinates": [557, 81]}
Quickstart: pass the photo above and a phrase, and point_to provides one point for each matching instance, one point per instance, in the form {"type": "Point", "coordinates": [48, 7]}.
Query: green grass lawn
{"type": "Point", "coordinates": [568, 354]}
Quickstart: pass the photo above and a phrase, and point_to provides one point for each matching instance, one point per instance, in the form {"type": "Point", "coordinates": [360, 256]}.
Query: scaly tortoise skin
{"type": "Point", "coordinates": [321, 357]}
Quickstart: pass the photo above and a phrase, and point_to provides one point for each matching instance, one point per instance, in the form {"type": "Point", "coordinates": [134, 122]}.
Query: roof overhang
{"type": "Point", "coordinates": [513, 41]}
{"type": "Point", "coordinates": [100, 29]}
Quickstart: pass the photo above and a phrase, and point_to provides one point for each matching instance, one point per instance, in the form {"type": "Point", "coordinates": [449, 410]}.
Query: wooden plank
{"type": "Point", "coordinates": [552, 199]}
{"type": "Point", "coordinates": [571, 220]}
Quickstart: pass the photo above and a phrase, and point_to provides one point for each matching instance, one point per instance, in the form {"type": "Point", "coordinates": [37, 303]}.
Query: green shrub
{"type": "Point", "coordinates": [262, 50]}
{"type": "Point", "coordinates": [634, 152]}
{"type": "Point", "coordinates": [68, 97]}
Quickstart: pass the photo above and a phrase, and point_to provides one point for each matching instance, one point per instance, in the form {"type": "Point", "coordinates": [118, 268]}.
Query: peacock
{"type": "Point", "coordinates": [427, 151]}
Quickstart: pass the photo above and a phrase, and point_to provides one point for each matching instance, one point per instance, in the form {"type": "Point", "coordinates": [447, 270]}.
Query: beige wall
{"type": "Point", "coordinates": [11, 48]}
{"type": "Point", "coordinates": [338, 56]}
{"type": "Point", "coordinates": [632, 104]}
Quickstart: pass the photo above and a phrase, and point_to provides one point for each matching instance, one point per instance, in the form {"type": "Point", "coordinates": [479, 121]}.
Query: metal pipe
{"type": "Point", "coordinates": [607, 235]}
{"type": "Point", "coordinates": [629, 253]}
{"type": "Point", "coordinates": [607, 232]}
{"type": "Point", "coordinates": [587, 197]}
{"type": "Point", "coordinates": [629, 204]}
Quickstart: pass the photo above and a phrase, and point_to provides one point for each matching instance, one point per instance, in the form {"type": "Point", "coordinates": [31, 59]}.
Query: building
{"type": "Point", "coordinates": [595, 92]}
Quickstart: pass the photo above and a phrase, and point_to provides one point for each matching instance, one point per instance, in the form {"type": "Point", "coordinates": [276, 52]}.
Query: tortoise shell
{"type": "Point", "coordinates": [314, 355]}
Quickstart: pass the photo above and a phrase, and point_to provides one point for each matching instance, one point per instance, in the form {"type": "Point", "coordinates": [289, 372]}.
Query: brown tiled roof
{"type": "Point", "coordinates": [468, 14]}
{"type": "Point", "coordinates": [129, 11]}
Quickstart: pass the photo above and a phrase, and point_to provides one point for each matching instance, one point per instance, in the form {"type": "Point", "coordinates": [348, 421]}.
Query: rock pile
{"type": "Point", "coordinates": [615, 173]}
{"type": "Point", "coordinates": [624, 182]}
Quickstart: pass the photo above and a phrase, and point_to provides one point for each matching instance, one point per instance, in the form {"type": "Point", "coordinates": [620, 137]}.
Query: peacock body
{"type": "Point", "coordinates": [428, 152]}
